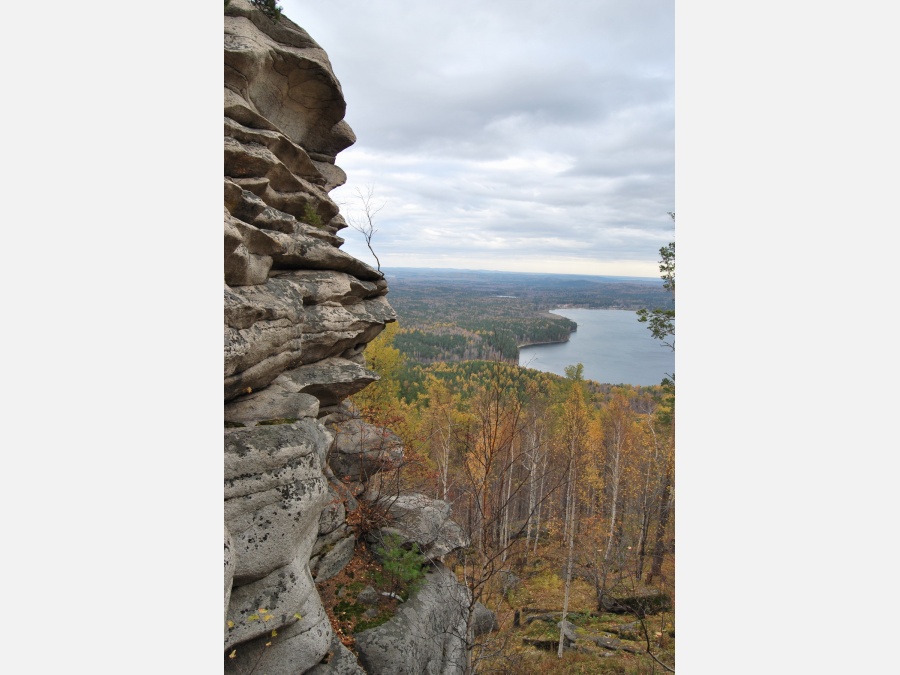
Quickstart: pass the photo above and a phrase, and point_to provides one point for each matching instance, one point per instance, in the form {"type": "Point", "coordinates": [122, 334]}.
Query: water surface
{"type": "Point", "coordinates": [611, 344]}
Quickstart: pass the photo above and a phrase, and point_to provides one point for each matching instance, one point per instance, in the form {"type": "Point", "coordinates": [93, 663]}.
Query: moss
{"type": "Point", "coordinates": [347, 610]}
{"type": "Point", "coordinates": [234, 425]}
{"type": "Point", "coordinates": [372, 623]}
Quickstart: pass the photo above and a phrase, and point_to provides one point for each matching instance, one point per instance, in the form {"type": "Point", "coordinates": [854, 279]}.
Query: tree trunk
{"type": "Point", "coordinates": [664, 508]}
{"type": "Point", "coordinates": [570, 523]}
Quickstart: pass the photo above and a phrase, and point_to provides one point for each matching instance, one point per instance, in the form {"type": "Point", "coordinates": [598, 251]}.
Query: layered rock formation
{"type": "Point", "coordinates": [298, 313]}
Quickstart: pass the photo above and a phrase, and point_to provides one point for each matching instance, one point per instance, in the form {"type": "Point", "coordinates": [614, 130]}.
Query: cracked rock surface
{"type": "Point", "coordinates": [298, 313]}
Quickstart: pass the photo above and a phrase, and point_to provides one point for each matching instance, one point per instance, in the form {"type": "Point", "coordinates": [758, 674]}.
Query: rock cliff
{"type": "Point", "coordinates": [298, 313]}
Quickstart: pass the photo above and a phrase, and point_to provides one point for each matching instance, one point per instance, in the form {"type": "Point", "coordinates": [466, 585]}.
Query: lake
{"type": "Point", "coordinates": [613, 346]}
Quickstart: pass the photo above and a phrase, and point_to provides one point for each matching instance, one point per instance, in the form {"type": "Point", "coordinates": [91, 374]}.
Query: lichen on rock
{"type": "Point", "coordinates": [298, 313]}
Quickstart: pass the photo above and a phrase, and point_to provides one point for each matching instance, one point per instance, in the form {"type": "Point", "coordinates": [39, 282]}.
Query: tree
{"type": "Point", "coordinates": [269, 7]}
{"type": "Point", "coordinates": [575, 426]}
{"type": "Point", "coordinates": [364, 223]}
{"type": "Point", "coordinates": [662, 321]}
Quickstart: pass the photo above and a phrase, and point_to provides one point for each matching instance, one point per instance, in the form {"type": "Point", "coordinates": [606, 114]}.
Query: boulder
{"type": "Point", "coordinates": [425, 636]}
{"type": "Point", "coordinates": [484, 621]}
{"type": "Point", "coordinates": [568, 632]}
{"type": "Point", "coordinates": [336, 559]}
{"type": "Point", "coordinates": [340, 662]}
{"type": "Point", "coordinates": [272, 603]}
{"type": "Point", "coordinates": [424, 521]}
{"type": "Point", "coordinates": [367, 596]}
{"type": "Point", "coordinates": [299, 644]}
{"type": "Point", "coordinates": [361, 450]}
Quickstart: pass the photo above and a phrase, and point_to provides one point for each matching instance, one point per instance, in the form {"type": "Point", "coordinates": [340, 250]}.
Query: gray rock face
{"type": "Point", "coordinates": [330, 380]}
{"type": "Point", "coordinates": [333, 514]}
{"type": "Point", "coordinates": [425, 637]}
{"type": "Point", "coordinates": [274, 492]}
{"type": "Point", "coordinates": [229, 567]}
{"type": "Point", "coordinates": [298, 312]}
{"type": "Point", "coordinates": [425, 521]}
{"type": "Point", "coordinates": [300, 643]}
{"type": "Point", "coordinates": [342, 662]}
{"type": "Point", "coordinates": [336, 559]}
{"type": "Point", "coordinates": [362, 450]}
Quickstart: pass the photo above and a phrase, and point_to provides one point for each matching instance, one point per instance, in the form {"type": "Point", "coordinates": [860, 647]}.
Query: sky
{"type": "Point", "coordinates": [509, 135]}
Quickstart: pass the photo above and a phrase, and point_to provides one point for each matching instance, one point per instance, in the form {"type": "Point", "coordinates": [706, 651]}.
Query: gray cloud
{"type": "Point", "coordinates": [510, 134]}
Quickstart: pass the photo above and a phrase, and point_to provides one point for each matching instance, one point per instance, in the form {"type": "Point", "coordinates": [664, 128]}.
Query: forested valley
{"type": "Point", "coordinates": [458, 315]}
{"type": "Point", "coordinates": [564, 487]}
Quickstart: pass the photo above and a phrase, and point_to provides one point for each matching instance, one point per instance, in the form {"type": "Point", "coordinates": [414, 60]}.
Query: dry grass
{"type": "Point", "coordinates": [542, 588]}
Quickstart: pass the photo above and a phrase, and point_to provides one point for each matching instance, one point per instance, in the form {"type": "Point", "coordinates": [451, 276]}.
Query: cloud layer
{"type": "Point", "coordinates": [527, 136]}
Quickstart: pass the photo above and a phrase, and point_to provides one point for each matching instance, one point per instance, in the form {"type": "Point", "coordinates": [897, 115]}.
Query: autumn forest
{"type": "Point", "coordinates": [564, 486]}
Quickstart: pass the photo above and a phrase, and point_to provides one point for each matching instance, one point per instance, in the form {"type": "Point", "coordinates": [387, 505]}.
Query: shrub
{"type": "Point", "coordinates": [269, 7]}
{"type": "Point", "coordinates": [403, 572]}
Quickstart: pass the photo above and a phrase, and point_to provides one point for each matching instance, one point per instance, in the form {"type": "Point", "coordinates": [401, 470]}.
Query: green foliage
{"type": "Point", "coordinates": [381, 356]}
{"type": "Point", "coordinates": [310, 217]}
{"type": "Point", "coordinates": [661, 320]}
{"type": "Point", "coordinates": [365, 624]}
{"type": "Point", "coordinates": [269, 7]}
{"type": "Point", "coordinates": [403, 572]}
{"type": "Point", "coordinates": [575, 373]}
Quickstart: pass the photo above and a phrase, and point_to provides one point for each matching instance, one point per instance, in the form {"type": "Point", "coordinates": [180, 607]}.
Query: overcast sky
{"type": "Point", "coordinates": [507, 135]}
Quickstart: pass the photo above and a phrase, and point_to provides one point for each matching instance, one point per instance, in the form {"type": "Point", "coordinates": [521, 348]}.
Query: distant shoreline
{"type": "Point", "coordinates": [548, 342]}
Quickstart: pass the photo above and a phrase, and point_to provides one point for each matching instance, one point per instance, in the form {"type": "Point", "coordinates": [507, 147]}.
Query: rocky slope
{"type": "Point", "coordinates": [298, 314]}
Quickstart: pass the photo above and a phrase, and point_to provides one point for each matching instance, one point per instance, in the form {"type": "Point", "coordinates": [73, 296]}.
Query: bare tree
{"type": "Point", "coordinates": [364, 222]}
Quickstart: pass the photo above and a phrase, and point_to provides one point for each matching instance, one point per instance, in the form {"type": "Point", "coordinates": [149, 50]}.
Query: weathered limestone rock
{"type": "Point", "coordinates": [229, 567]}
{"type": "Point", "coordinates": [280, 593]}
{"type": "Point", "coordinates": [298, 313]}
{"type": "Point", "coordinates": [567, 628]}
{"type": "Point", "coordinates": [318, 286]}
{"type": "Point", "coordinates": [336, 559]}
{"type": "Point", "coordinates": [425, 521]}
{"type": "Point", "coordinates": [485, 620]}
{"type": "Point", "coordinates": [333, 514]}
{"type": "Point", "coordinates": [332, 329]}
{"type": "Point", "coordinates": [341, 662]}
{"type": "Point", "coordinates": [286, 78]}
{"type": "Point", "coordinates": [274, 492]}
{"type": "Point", "coordinates": [300, 643]}
{"type": "Point", "coordinates": [286, 336]}
{"type": "Point", "coordinates": [330, 380]}
{"type": "Point", "coordinates": [361, 450]}
{"type": "Point", "coordinates": [426, 636]}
